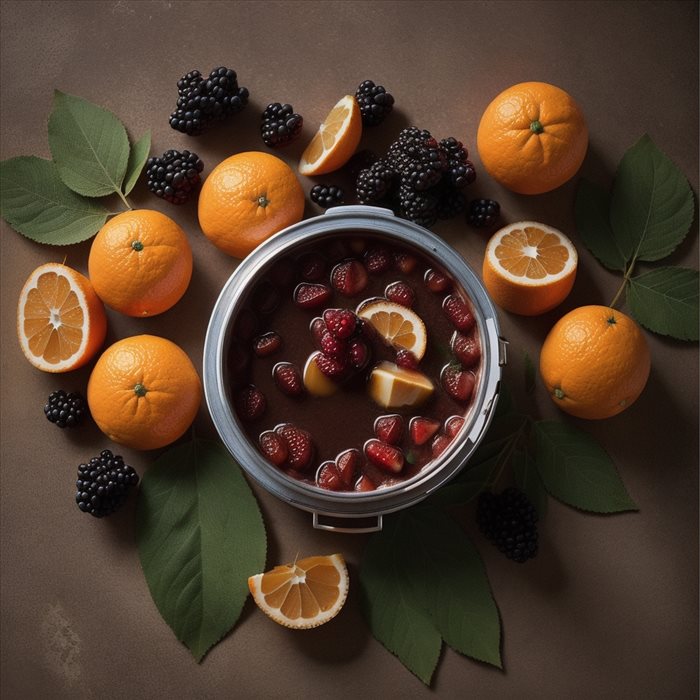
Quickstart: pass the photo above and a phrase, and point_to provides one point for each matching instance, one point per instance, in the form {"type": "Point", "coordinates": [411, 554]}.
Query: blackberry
{"type": "Point", "coordinates": [419, 207]}
{"type": "Point", "coordinates": [450, 203]}
{"type": "Point", "coordinates": [483, 212]}
{"type": "Point", "coordinates": [509, 520]}
{"type": "Point", "coordinates": [417, 158]}
{"type": "Point", "coordinates": [326, 195]}
{"type": "Point", "coordinates": [374, 101]}
{"type": "Point", "coordinates": [374, 183]}
{"type": "Point", "coordinates": [280, 125]}
{"type": "Point", "coordinates": [460, 170]}
{"type": "Point", "coordinates": [66, 410]}
{"type": "Point", "coordinates": [103, 484]}
{"type": "Point", "coordinates": [202, 103]}
{"type": "Point", "coordinates": [174, 176]}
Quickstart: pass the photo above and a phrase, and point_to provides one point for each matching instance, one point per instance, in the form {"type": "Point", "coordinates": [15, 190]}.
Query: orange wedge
{"type": "Point", "coordinates": [61, 322]}
{"type": "Point", "coordinates": [335, 141]}
{"type": "Point", "coordinates": [400, 326]}
{"type": "Point", "coordinates": [303, 594]}
{"type": "Point", "coordinates": [529, 268]}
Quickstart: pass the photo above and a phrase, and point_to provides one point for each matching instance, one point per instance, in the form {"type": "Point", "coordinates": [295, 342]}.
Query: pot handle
{"type": "Point", "coordinates": [359, 209]}
{"type": "Point", "coordinates": [330, 527]}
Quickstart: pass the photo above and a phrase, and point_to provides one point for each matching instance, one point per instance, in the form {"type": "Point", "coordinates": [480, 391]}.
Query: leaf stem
{"type": "Point", "coordinates": [625, 280]}
{"type": "Point", "coordinates": [507, 451]}
{"type": "Point", "coordinates": [124, 199]}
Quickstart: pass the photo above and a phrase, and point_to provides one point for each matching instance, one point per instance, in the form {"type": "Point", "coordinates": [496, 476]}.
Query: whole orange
{"type": "Point", "coordinates": [532, 138]}
{"type": "Point", "coordinates": [595, 362]}
{"type": "Point", "coordinates": [144, 392]}
{"type": "Point", "coordinates": [247, 198]}
{"type": "Point", "coordinates": [140, 263]}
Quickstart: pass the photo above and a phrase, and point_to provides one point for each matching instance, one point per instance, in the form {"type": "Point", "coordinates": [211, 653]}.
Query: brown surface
{"type": "Point", "coordinates": [610, 606]}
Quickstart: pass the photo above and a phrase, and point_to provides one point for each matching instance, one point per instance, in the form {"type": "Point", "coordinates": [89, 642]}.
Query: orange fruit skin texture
{"type": "Point", "coordinates": [93, 315]}
{"type": "Point", "coordinates": [140, 263]}
{"type": "Point", "coordinates": [246, 199]}
{"type": "Point", "coordinates": [522, 160]}
{"type": "Point", "coordinates": [595, 362]}
{"type": "Point", "coordinates": [144, 392]}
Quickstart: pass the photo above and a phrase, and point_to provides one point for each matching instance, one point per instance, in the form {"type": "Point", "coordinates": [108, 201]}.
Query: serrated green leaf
{"type": "Point", "coordinates": [577, 471]}
{"type": "Point", "coordinates": [36, 203]}
{"type": "Point", "coordinates": [466, 486]}
{"type": "Point", "coordinates": [423, 568]}
{"type": "Point", "coordinates": [89, 146]}
{"type": "Point", "coordinates": [530, 374]}
{"type": "Point", "coordinates": [665, 301]}
{"type": "Point", "coordinates": [397, 620]}
{"type": "Point", "coordinates": [138, 155]}
{"type": "Point", "coordinates": [200, 536]}
{"type": "Point", "coordinates": [592, 214]}
{"type": "Point", "coordinates": [528, 481]}
{"type": "Point", "coordinates": [652, 206]}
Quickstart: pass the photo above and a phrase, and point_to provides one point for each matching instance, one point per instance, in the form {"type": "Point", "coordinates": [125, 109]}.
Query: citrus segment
{"type": "Point", "coordinates": [61, 322]}
{"type": "Point", "coordinates": [144, 392]}
{"type": "Point", "coordinates": [595, 362]}
{"type": "Point", "coordinates": [246, 199]}
{"type": "Point", "coordinates": [335, 141]}
{"type": "Point", "coordinates": [400, 326]}
{"type": "Point", "coordinates": [304, 594]}
{"type": "Point", "coordinates": [392, 386]}
{"type": "Point", "coordinates": [529, 268]}
{"type": "Point", "coordinates": [140, 263]}
{"type": "Point", "coordinates": [532, 137]}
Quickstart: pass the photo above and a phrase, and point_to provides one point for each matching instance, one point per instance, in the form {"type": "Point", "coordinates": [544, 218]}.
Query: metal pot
{"type": "Point", "coordinates": [340, 511]}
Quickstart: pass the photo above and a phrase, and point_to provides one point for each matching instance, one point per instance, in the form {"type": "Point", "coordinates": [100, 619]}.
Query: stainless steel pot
{"type": "Point", "coordinates": [339, 511]}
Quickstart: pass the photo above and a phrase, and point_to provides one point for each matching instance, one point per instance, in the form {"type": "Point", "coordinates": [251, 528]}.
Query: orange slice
{"type": "Point", "coordinates": [61, 322]}
{"type": "Point", "coordinates": [335, 141]}
{"type": "Point", "coordinates": [400, 326]}
{"type": "Point", "coordinates": [391, 386]}
{"type": "Point", "coordinates": [529, 268]}
{"type": "Point", "coordinates": [303, 594]}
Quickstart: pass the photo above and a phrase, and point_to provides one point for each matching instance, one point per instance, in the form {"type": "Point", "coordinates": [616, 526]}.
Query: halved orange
{"type": "Point", "coordinates": [529, 268]}
{"type": "Point", "coordinates": [303, 594]}
{"type": "Point", "coordinates": [61, 322]}
{"type": "Point", "coordinates": [335, 141]}
{"type": "Point", "coordinates": [400, 326]}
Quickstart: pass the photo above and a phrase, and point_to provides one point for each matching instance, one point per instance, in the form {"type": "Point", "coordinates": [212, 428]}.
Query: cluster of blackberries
{"type": "Point", "coordinates": [280, 125]}
{"type": "Point", "coordinates": [509, 520]}
{"type": "Point", "coordinates": [174, 176]}
{"type": "Point", "coordinates": [421, 178]}
{"type": "Point", "coordinates": [327, 195]}
{"type": "Point", "coordinates": [204, 101]}
{"type": "Point", "coordinates": [104, 484]}
{"type": "Point", "coordinates": [66, 410]}
{"type": "Point", "coordinates": [374, 101]}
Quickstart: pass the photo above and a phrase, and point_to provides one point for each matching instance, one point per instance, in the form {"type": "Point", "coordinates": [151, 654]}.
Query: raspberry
{"type": "Point", "coordinates": [267, 344]}
{"type": "Point", "coordinates": [288, 379]}
{"type": "Point", "coordinates": [349, 278]}
{"type": "Point", "coordinates": [250, 403]}
{"type": "Point", "coordinates": [384, 456]}
{"type": "Point", "coordinates": [422, 429]}
{"type": "Point", "coordinates": [340, 322]}
{"type": "Point", "coordinates": [458, 383]}
{"type": "Point", "coordinates": [389, 429]}
{"type": "Point", "coordinates": [311, 296]}
{"type": "Point", "coordinates": [400, 293]}
{"type": "Point", "coordinates": [273, 447]}
{"type": "Point", "coordinates": [458, 313]}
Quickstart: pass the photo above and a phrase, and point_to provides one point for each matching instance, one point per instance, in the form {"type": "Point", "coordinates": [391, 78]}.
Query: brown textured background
{"type": "Point", "coordinates": [610, 606]}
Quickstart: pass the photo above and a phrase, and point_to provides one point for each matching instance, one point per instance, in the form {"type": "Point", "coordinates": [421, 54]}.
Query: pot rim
{"type": "Point", "coordinates": [383, 223]}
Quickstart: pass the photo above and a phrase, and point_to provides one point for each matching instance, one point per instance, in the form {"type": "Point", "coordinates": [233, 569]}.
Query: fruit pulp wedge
{"type": "Point", "coordinates": [400, 326]}
{"type": "Point", "coordinates": [335, 141]}
{"type": "Point", "coordinates": [304, 594]}
{"type": "Point", "coordinates": [61, 321]}
{"type": "Point", "coordinates": [392, 386]}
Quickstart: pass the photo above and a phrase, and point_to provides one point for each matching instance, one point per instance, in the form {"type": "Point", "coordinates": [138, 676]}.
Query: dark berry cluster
{"type": "Point", "coordinates": [174, 176]}
{"type": "Point", "coordinates": [65, 410]}
{"type": "Point", "coordinates": [509, 520]}
{"type": "Point", "coordinates": [103, 484]}
{"type": "Point", "coordinates": [280, 125]}
{"type": "Point", "coordinates": [326, 196]}
{"type": "Point", "coordinates": [204, 101]}
{"type": "Point", "coordinates": [374, 101]}
{"type": "Point", "coordinates": [420, 177]}
{"type": "Point", "coordinates": [483, 212]}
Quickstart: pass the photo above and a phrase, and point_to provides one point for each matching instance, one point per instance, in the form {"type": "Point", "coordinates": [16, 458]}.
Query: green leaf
{"type": "Point", "coordinates": [652, 205]}
{"type": "Point", "coordinates": [137, 159]}
{"type": "Point", "coordinates": [577, 471]}
{"type": "Point", "coordinates": [200, 536]}
{"type": "Point", "coordinates": [423, 559]}
{"type": "Point", "coordinates": [89, 146]}
{"type": "Point", "coordinates": [528, 481]}
{"type": "Point", "coordinates": [36, 203]}
{"type": "Point", "coordinates": [530, 374]}
{"type": "Point", "coordinates": [468, 484]}
{"type": "Point", "coordinates": [592, 214]}
{"type": "Point", "coordinates": [665, 301]}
